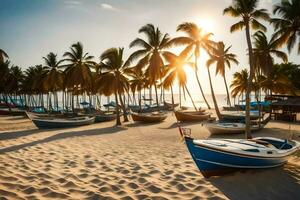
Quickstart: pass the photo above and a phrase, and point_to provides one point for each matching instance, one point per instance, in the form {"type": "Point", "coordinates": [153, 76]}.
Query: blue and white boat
{"type": "Point", "coordinates": [218, 156]}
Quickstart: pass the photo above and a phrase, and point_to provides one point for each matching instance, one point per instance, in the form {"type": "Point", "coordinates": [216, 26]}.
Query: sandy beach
{"type": "Point", "coordinates": [133, 161]}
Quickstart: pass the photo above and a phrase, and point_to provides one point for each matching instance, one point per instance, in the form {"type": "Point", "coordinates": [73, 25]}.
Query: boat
{"type": "Point", "coordinates": [239, 116]}
{"type": "Point", "coordinates": [191, 116]}
{"type": "Point", "coordinates": [105, 117]}
{"type": "Point", "coordinates": [215, 157]}
{"type": "Point", "coordinates": [170, 106]}
{"type": "Point", "coordinates": [148, 117]}
{"type": "Point", "coordinates": [230, 127]}
{"type": "Point", "coordinates": [56, 122]}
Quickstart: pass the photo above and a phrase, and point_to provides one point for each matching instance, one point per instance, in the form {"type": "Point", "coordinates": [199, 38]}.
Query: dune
{"type": "Point", "coordinates": [133, 161]}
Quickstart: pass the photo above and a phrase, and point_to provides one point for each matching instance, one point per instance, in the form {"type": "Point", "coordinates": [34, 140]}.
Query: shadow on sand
{"type": "Point", "coordinates": [277, 183]}
{"type": "Point", "coordinates": [21, 133]}
{"type": "Point", "coordinates": [64, 135]}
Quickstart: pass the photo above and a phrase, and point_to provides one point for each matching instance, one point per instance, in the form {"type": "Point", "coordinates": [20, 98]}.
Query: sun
{"type": "Point", "coordinates": [207, 24]}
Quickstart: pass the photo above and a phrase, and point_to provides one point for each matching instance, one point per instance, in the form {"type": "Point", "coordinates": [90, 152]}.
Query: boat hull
{"type": "Point", "coordinates": [105, 118]}
{"type": "Point", "coordinates": [148, 119]}
{"type": "Point", "coordinates": [47, 124]}
{"type": "Point", "coordinates": [191, 116]}
{"type": "Point", "coordinates": [213, 162]}
{"type": "Point", "coordinates": [217, 130]}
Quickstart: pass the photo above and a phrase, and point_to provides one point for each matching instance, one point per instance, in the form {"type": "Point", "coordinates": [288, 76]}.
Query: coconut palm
{"type": "Point", "coordinates": [150, 54]}
{"type": "Point", "coordinates": [249, 14]}
{"type": "Point", "coordinates": [263, 52]}
{"type": "Point", "coordinates": [221, 56]}
{"type": "Point", "coordinates": [137, 82]}
{"type": "Point", "coordinates": [3, 56]}
{"type": "Point", "coordinates": [195, 40]}
{"type": "Point", "coordinates": [287, 27]}
{"type": "Point", "coordinates": [33, 84]}
{"type": "Point", "coordinates": [113, 79]}
{"type": "Point", "coordinates": [175, 71]}
{"type": "Point", "coordinates": [239, 83]}
{"type": "Point", "coordinates": [54, 76]}
{"type": "Point", "coordinates": [4, 80]}
{"type": "Point", "coordinates": [78, 70]}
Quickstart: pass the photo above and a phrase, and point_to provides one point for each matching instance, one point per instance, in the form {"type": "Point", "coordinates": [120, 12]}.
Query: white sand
{"type": "Point", "coordinates": [134, 161]}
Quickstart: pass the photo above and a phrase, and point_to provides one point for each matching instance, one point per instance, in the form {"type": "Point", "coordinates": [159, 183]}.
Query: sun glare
{"type": "Point", "coordinates": [189, 71]}
{"type": "Point", "coordinates": [207, 24]}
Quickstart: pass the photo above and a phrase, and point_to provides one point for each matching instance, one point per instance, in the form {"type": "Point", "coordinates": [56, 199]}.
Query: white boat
{"type": "Point", "coordinates": [229, 128]}
{"type": "Point", "coordinates": [218, 156]}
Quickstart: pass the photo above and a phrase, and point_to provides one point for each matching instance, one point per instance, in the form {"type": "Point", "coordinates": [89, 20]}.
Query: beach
{"type": "Point", "coordinates": [132, 161]}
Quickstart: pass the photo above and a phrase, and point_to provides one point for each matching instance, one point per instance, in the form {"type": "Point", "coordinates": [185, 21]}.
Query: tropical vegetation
{"type": "Point", "coordinates": [65, 82]}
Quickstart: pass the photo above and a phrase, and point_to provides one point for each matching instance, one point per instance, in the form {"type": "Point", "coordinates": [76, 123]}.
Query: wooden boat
{"type": "Point", "coordinates": [218, 156]}
{"type": "Point", "coordinates": [238, 116]}
{"type": "Point", "coordinates": [55, 122]}
{"type": "Point", "coordinates": [148, 117]}
{"type": "Point", "coordinates": [229, 128]}
{"type": "Point", "coordinates": [191, 116]}
{"type": "Point", "coordinates": [105, 117]}
{"type": "Point", "coordinates": [170, 106]}
{"type": "Point", "coordinates": [14, 112]}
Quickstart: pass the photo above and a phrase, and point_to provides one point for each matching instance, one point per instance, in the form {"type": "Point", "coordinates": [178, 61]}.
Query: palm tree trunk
{"type": "Point", "coordinates": [118, 121]}
{"type": "Point", "coordinates": [213, 96]}
{"type": "Point", "coordinates": [140, 99]}
{"type": "Point", "coordinates": [156, 95]}
{"type": "Point", "coordinates": [249, 84]}
{"type": "Point", "coordinates": [190, 97]}
{"type": "Point", "coordinates": [198, 81]}
{"type": "Point", "coordinates": [172, 97]}
{"type": "Point", "coordinates": [227, 90]}
{"type": "Point", "coordinates": [179, 96]}
{"type": "Point", "coordinates": [123, 108]}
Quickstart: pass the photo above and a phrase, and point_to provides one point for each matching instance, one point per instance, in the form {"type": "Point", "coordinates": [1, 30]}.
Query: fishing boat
{"type": "Point", "coordinates": [148, 117]}
{"type": "Point", "coordinates": [57, 122]}
{"type": "Point", "coordinates": [105, 117]}
{"type": "Point", "coordinates": [218, 156]}
{"type": "Point", "coordinates": [239, 116]}
{"type": "Point", "coordinates": [230, 127]}
{"type": "Point", "coordinates": [170, 106]}
{"type": "Point", "coordinates": [191, 116]}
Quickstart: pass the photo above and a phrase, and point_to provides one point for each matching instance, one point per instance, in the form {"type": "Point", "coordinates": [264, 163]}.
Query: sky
{"type": "Point", "coordinates": [30, 29]}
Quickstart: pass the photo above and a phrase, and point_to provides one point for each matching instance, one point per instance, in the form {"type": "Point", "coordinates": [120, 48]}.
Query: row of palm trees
{"type": "Point", "coordinates": [153, 65]}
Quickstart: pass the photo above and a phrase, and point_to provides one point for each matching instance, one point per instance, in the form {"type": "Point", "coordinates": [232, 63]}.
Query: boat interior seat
{"type": "Point", "coordinates": [262, 142]}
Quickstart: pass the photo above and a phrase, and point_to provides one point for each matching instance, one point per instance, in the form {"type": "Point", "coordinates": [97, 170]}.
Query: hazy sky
{"type": "Point", "coordinates": [30, 29]}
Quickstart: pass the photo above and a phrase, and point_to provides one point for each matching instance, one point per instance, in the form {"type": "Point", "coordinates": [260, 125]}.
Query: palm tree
{"type": "Point", "coordinates": [15, 78]}
{"type": "Point", "coordinates": [239, 83]}
{"type": "Point", "coordinates": [137, 82]}
{"type": "Point", "coordinates": [150, 54]}
{"type": "Point", "coordinates": [195, 40]}
{"type": "Point", "coordinates": [175, 71]}
{"type": "Point", "coordinates": [113, 79]}
{"type": "Point", "coordinates": [263, 52]}
{"type": "Point", "coordinates": [54, 77]}
{"type": "Point", "coordinates": [249, 14]}
{"type": "Point", "coordinates": [222, 57]}
{"type": "Point", "coordinates": [3, 56]}
{"type": "Point", "coordinates": [4, 74]}
{"type": "Point", "coordinates": [78, 70]}
{"type": "Point", "coordinates": [288, 26]}
{"type": "Point", "coordinates": [33, 84]}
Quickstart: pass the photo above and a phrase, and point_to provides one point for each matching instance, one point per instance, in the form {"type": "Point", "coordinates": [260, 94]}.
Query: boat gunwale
{"type": "Point", "coordinates": [245, 155]}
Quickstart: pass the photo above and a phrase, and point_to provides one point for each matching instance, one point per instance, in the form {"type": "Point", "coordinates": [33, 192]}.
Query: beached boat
{"type": "Point", "coordinates": [105, 117]}
{"type": "Point", "coordinates": [148, 117]}
{"type": "Point", "coordinates": [56, 122]}
{"type": "Point", "coordinates": [239, 116]}
{"type": "Point", "coordinates": [191, 116]}
{"type": "Point", "coordinates": [170, 106]}
{"type": "Point", "coordinates": [229, 128]}
{"type": "Point", "coordinates": [218, 156]}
